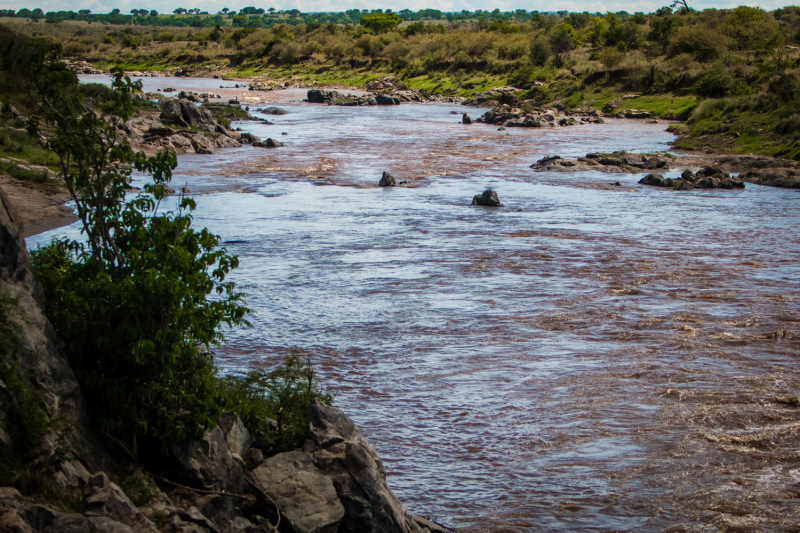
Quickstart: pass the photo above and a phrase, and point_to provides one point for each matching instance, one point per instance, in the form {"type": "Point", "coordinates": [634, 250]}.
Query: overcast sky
{"type": "Point", "coordinates": [213, 6]}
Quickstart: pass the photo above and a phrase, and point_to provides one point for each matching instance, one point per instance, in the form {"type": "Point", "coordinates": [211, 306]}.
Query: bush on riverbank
{"type": "Point", "coordinates": [141, 300]}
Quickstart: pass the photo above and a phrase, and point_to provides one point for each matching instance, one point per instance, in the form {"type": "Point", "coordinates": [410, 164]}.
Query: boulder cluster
{"type": "Point", "coordinates": [705, 178]}
{"type": "Point", "coordinates": [386, 97]}
{"type": "Point", "coordinates": [507, 116]}
{"type": "Point", "coordinates": [184, 127]}
{"type": "Point", "coordinates": [220, 483]}
{"type": "Point", "coordinates": [614, 163]}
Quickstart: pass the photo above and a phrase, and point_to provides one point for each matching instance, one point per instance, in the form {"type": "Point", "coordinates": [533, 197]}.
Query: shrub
{"type": "Point", "coordinates": [715, 84]}
{"type": "Point", "coordinates": [132, 304]}
{"type": "Point", "coordinates": [540, 51]}
{"type": "Point", "coordinates": [701, 43]}
{"type": "Point", "coordinates": [611, 57]}
{"type": "Point", "coordinates": [789, 126]}
{"type": "Point", "coordinates": [282, 395]}
{"type": "Point", "coordinates": [563, 39]}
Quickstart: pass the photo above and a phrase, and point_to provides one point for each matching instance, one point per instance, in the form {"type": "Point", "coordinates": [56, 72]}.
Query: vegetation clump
{"type": "Point", "coordinates": [140, 301]}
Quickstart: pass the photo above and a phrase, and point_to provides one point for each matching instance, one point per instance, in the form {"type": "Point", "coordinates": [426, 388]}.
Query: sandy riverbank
{"type": "Point", "coordinates": [41, 207]}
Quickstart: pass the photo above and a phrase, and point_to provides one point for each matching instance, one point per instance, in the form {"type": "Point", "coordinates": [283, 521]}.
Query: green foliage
{"type": "Point", "coordinates": [715, 84]}
{"type": "Point", "coordinates": [563, 39]}
{"type": "Point", "coordinates": [138, 305]}
{"type": "Point", "coordinates": [751, 28]}
{"type": "Point", "coordinates": [540, 51]}
{"type": "Point", "coordinates": [380, 22]}
{"type": "Point", "coordinates": [662, 29]}
{"type": "Point", "coordinates": [704, 44]}
{"type": "Point", "coordinates": [282, 395]}
{"type": "Point", "coordinates": [138, 487]}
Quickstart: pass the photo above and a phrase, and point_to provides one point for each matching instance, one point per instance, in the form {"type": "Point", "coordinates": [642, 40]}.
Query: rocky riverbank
{"type": "Point", "coordinates": [221, 483]}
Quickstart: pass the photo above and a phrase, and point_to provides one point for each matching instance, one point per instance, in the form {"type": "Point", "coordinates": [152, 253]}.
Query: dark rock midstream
{"type": "Point", "coordinates": [336, 482]}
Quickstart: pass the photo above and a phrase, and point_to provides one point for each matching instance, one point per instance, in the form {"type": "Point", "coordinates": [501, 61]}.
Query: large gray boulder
{"type": "Point", "coordinates": [466, 119]}
{"type": "Point", "coordinates": [344, 455]}
{"type": "Point", "coordinates": [185, 114]}
{"type": "Point", "coordinates": [107, 499]}
{"type": "Point", "coordinates": [305, 496]}
{"type": "Point", "coordinates": [236, 435]}
{"type": "Point", "coordinates": [209, 464]}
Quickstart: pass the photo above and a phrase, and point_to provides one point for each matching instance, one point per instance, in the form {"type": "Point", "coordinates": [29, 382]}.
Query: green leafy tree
{"type": "Point", "coordinates": [563, 39]}
{"type": "Point", "coordinates": [380, 22]}
{"type": "Point", "coordinates": [139, 303]}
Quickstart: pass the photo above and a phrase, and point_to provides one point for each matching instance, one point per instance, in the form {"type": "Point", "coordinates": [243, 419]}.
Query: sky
{"type": "Point", "coordinates": [213, 6]}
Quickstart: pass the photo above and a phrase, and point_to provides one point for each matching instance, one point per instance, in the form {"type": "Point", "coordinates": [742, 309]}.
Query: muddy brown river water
{"type": "Point", "coordinates": [589, 357]}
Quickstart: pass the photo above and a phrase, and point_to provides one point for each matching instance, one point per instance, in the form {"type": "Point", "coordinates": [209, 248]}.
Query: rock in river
{"type": "Point", "coordinates": [488, 199]}
{"type": "Point", "coordinates": [387, 180]}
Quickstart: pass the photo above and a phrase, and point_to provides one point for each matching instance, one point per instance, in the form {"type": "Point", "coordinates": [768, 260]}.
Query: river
{"type": "Point", "coordinates": [590, 357]}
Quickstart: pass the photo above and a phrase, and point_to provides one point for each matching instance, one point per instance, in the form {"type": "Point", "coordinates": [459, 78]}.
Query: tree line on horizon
{"type": "Point", "coordinates": [252, 17]}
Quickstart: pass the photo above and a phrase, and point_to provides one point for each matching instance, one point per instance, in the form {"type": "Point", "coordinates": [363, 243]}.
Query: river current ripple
{"type": "Point", "coordinates": [590, 357]}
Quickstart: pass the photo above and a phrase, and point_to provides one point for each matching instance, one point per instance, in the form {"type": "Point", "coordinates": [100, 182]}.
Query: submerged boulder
{"type": "Point", "coordinates": [488, 199]}
{"type": "Point", "coordinates": [274, 111]}
{"type": "Point", "coordinates": [268, 143]}
{"type": "Point", "coordinates": [466, 119]}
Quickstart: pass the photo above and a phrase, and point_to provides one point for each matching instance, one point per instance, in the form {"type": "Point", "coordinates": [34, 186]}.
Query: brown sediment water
{"type": "Point", "coordinates": [590, 357]}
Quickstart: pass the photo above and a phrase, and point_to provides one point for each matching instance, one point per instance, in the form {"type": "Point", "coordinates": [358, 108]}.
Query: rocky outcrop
{"type": "Point", "coordinates": [614, 163]}
{"type": "Point", "coordinates": [305, 496]}
{"type": "Point", "coordinates": [387, 180]}
{"type": "Point", "coordinates": [342, 453]}
{"type": "Point", "coordinates": [35, 352]}
{"type": "Point", "coordinates": [507, 116]}
{"type": "Point", "coordinates": [488, 199]}
{"type": "Point", "coordinates": [321, 96]}
{"type": "Point", "coordinates": [382, 84]}
{"type": "Point", "coordinates": [385, 99]}
{"type": "Point", "coordinates": [788, 178]}
{"type": "Point", "coordinates": [466, 119]}
{"type": "Point", "coordinates": [185, 114]}
{"type": "Point", "coordinates": [705, 178]}
{"type": "Point", "coordinates": [208, 463]}
{"type": "Point", "coordinates": [268, 143]}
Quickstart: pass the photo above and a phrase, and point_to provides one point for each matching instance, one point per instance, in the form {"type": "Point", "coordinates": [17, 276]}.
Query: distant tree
{"type": "Point", "coordinates": [224, 10]}
{"type": "Point", "coordinates": [564, 39]}
{"type": "Point", "coordinates": [682, 5]}
{"type": "Point", "coordinates": [114, 11]}
{"type": "Point", "coordinates": [380, 22]}
{"type": "Point", "coordinates": [153, 13]}
{"type": "Point", "coordinates": [271, 10]}
{"type": "Point", "coordinates": [179, 11]}
{"type": "Point", "coordinates": [85, 12]}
